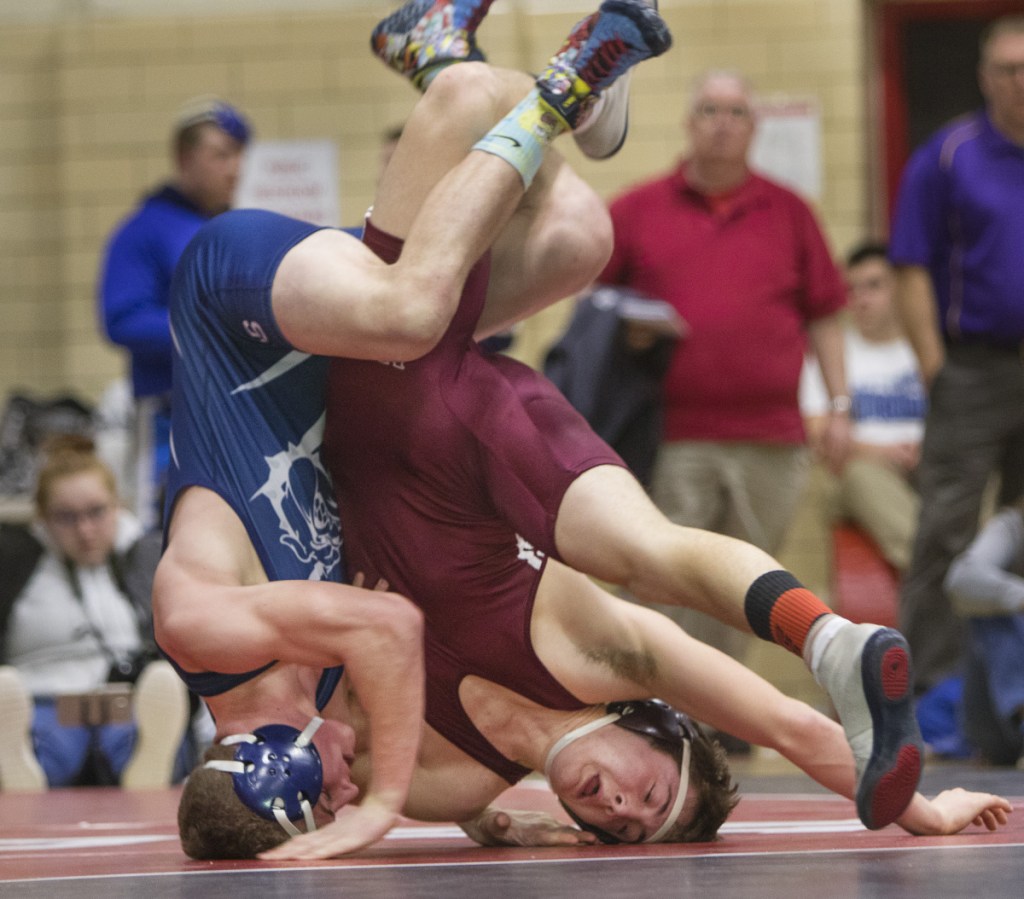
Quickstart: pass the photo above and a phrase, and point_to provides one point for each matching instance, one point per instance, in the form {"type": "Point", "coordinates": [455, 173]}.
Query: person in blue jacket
{"type": "Point", "coordinates": [209, 138]}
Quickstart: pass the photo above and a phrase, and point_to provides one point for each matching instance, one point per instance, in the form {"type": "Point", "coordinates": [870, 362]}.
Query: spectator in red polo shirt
{"type": "Point", "coordinates": [745, 263]}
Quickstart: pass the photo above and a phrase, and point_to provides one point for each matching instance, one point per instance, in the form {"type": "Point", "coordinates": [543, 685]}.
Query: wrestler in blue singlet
{"type": "Point", "coordinates": [247, 415]}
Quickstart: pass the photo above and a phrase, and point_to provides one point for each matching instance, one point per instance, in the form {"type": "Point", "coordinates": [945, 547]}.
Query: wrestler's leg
{"type": "Point", "coordinates": [461, 105]}
{"type": "Point", "coordinates": [428, 40]}
{"type": "Point", "coordinates": [544, 253]}
{"type": "Point", "coordinates": [609, 528]}
{"type": "Point", "coordinates": [333, 299]}
{"type": "Point", "coordinates": [332, 296]}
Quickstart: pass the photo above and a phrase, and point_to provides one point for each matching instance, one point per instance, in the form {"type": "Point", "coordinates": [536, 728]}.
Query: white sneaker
{"type": "Point", "coordinates": [604, 131]}
{"type": "Point", "coordinates": [161, 714]}
{"type": "Point", "coordinates": [866, 671]}
{"type": "Point", "coordinates": [19, 769]}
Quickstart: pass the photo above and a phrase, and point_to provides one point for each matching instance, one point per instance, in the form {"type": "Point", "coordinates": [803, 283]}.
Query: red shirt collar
{"type": "Point", "coordinates": [741, 197]}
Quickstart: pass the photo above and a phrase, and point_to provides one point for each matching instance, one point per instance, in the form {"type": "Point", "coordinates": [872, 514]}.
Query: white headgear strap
{"type": "Point", "coordinates": [574, 735]}
{"type": "Point", "coordinates": [677, 806]}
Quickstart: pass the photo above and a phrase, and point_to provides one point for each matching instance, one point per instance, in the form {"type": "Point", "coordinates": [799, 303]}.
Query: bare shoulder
{"type": "Point", "coordinates": [207, 557]}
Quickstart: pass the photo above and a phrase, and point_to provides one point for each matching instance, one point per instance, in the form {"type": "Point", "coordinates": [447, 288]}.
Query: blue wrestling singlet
{"type": "Point", "coordinates": [247, 414]}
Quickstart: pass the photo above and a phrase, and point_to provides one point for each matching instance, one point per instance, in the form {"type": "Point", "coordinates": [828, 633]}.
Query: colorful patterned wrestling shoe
{"type": "Point", "coordinates": [599, 50]}
{"type": "Point", "coordinates": [425, 35]}
{"type": "Point", "coordinates": [602, 130]}
{"type": "Point", "coordinates": [866, 671]}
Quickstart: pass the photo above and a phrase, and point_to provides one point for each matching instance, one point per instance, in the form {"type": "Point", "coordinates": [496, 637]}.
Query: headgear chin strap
{"type": "Point", "coordinates": [277, 772]}
{"type": "Point", "coordinates": [652, 718]}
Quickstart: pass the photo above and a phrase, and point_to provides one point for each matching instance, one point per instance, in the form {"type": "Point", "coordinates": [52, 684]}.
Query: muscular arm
{"type": "Point", "coordinates": [915, 303]}
{"type": "Point", "coordinates": [214, 610]}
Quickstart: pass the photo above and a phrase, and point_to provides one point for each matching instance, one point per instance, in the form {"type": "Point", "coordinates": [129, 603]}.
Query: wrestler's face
{"type": "Point", "coordinates": [617, 781]}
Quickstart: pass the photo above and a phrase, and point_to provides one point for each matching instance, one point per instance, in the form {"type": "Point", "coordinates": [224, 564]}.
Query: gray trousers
{"type": "Point", "coordinates": [974, 428]}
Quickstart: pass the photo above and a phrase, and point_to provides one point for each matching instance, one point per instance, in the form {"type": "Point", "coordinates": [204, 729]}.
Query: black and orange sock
{"type": "Point", "coordinates": [782, 610]}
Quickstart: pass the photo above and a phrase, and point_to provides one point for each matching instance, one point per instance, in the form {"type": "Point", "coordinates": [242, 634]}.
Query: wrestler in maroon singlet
{"type": "Point", "coordinates": [449, 473]}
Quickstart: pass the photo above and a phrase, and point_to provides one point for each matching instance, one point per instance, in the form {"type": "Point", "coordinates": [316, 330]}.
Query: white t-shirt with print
{"type": "Point", "coordinates": [885, 387]}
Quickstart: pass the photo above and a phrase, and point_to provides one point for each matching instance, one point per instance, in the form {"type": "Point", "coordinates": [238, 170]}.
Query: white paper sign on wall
{"type": "Point", "coordinates": [296, 178]}
{"type": "Point", "coordinates": [787, 145]}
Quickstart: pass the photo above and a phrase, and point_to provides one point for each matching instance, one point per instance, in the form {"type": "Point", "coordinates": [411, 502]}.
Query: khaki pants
{"type": "Point", "coordinates": [743, 490]}
{"type": "Point", "coordinates": [876, 498]}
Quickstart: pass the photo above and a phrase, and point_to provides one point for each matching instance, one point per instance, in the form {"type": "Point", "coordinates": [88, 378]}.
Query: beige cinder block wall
{"type": "Point", "coordinates": [86, 100]}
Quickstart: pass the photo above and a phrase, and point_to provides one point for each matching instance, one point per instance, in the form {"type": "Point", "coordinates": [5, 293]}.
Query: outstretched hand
{"type": "Point", "coordinates": [952, 810]}
{"type": "Point", "coordinates": [494, 827]}
{"type": "Point", "coordinates": [354, 828]}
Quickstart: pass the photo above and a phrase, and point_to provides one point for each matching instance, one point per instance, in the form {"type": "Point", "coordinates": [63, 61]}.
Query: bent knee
{"type": "Point", "coordinates": [457, 88]}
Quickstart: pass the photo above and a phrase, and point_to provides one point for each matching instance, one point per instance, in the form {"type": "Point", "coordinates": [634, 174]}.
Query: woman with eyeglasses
{"type": "Point", "coordinates": [74, 616]}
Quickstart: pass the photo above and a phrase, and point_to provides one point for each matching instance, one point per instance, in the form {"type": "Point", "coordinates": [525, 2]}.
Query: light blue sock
{"type": "Point", "coordinates": [521, 137]}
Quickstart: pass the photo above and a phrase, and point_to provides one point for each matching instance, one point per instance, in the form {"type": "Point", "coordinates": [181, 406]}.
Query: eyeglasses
{"type": "Point", "coordinates": [1006, 69]}
{"type": "Point", "coordinates": [735, 112]}
{"type": "Point", "coordinates": [68, 518]}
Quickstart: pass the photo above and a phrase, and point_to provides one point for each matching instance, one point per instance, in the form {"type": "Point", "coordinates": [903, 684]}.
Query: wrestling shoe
{"type": "Point", "coordinates": [426, 34]}
{"type": "Point", "coordinates": [602, 130]}
{"type": "Point", "coordinates": [866, 671]}
{"type": "Point", "coordinates": [160, 710]}
{"type": "Point", "coordinates": [19, 769]}
{"type": "Point", "coordinates": [600, 50]}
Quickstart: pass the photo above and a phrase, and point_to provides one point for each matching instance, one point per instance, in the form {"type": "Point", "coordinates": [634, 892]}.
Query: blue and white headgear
{"type": "Point", "coordinates": [650, 718]}
{"type": "Point", "coordinates": [228, 118]}
{"type": "Point", "coordinates": [277, 772]}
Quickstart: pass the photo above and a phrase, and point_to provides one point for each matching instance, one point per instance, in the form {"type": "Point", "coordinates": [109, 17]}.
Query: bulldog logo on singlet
{"type": "Point", "coordinates": [299, 491]}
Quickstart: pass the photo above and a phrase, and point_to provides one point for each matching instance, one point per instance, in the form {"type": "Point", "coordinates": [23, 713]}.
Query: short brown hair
{"type": "Point", "coordinates": [212, 821]}
{"type": "Point", "coordinates": [716, 793]}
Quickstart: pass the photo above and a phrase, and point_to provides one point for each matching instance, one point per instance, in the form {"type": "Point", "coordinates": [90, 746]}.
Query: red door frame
{"type": "Point", "coordinates": [891, 20]}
